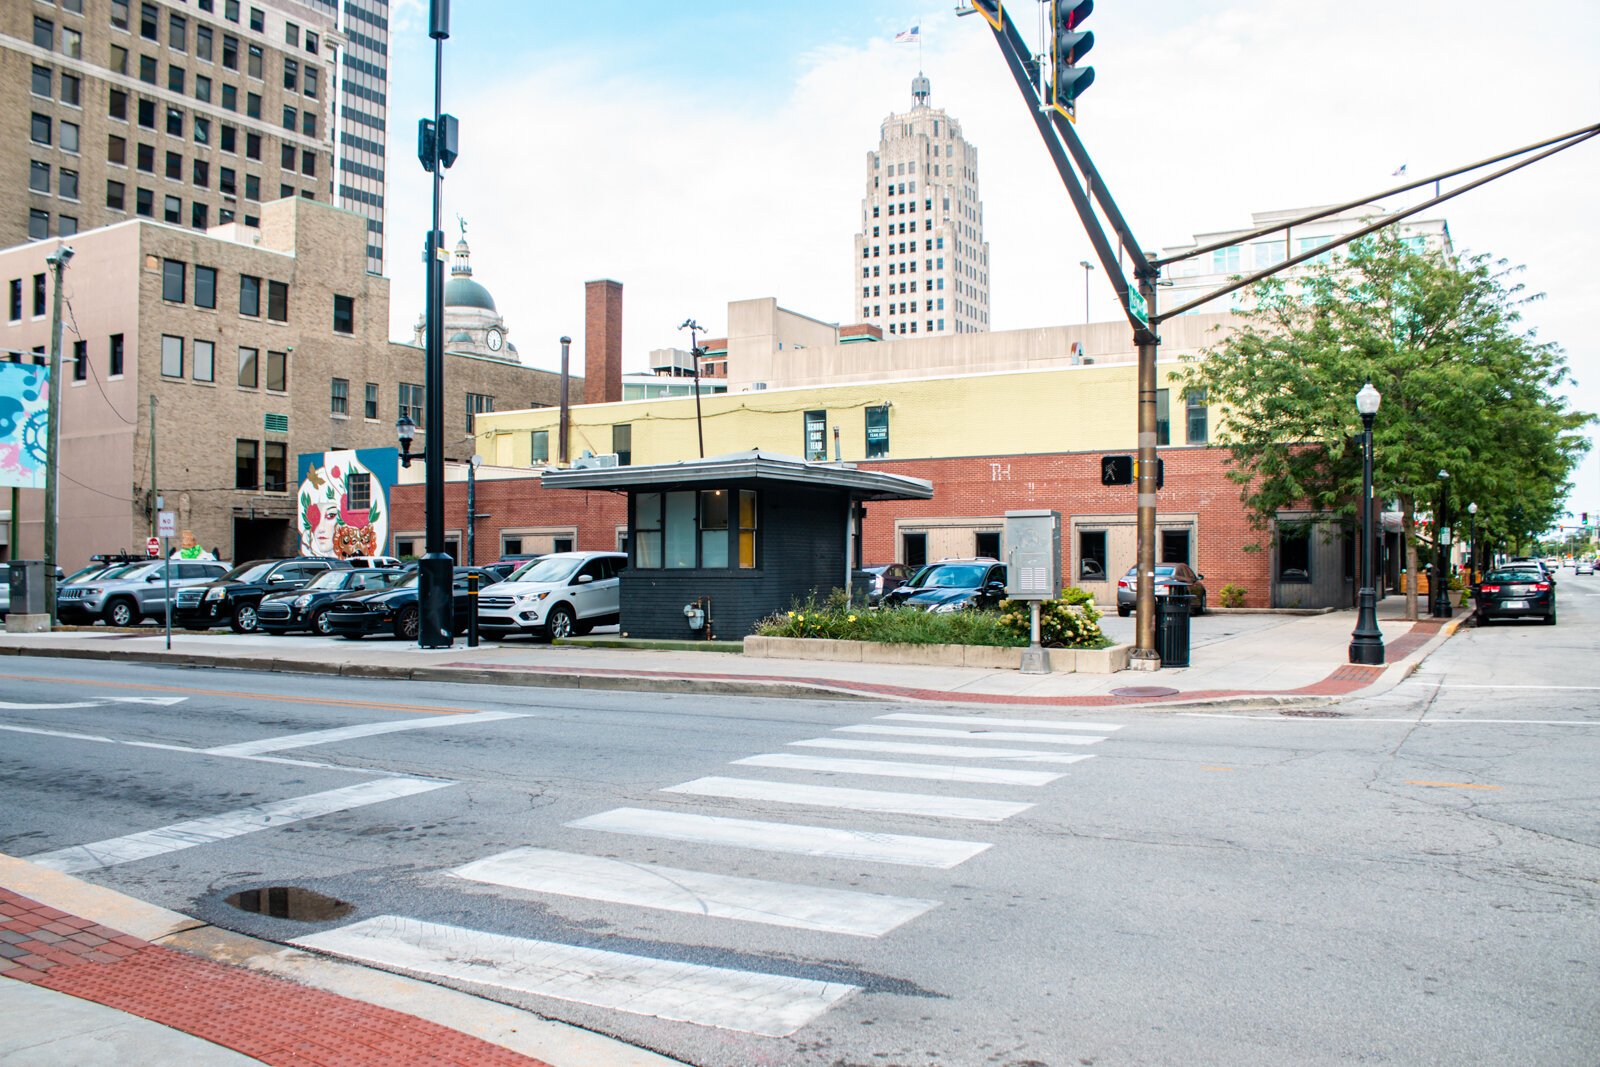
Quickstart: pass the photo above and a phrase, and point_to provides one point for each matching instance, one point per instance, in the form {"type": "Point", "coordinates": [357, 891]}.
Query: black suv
{"type": "Point", "coordinates": [951, 585]}
{"type": "Point", "coordinates": [234, 598]}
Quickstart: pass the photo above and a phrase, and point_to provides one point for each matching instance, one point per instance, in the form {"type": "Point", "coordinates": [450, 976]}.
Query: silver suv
{"type": "Point", "coordinates": [558, 595]}
{"type": "Point", "coordinates": [126, 595]}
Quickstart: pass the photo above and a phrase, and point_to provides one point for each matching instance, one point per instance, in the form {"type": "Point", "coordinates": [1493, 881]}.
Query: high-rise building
{"type": "Point", "coordinates": [189, 114]}
{"type": "Point", "coordinates": [361, 117]}
{"type": "Point", "coordinates": [924, 263]}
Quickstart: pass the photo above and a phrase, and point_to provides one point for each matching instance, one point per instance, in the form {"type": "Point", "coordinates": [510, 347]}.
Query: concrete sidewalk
{"type": "Point", "coordinates": [1291, 658]}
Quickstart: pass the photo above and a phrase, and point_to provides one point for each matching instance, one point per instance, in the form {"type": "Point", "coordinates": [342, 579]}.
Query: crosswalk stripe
{"type": "Point", "coordinates": [824, 842]}
{"type": "Point", "coordinates": [344, 733]}
{"type": "Point", "coordinates": [836, 911]}
{"type": "Point", "coordinates": [828, 796]}
{"type": "Point", "coordinates": [213, 828]}
{"type": "Point", "coordinates": [749, 1001]}
{"type": "Point", "coordinates": [938, 772]}
{"type": "Point", "coordinates": [980, 720]}
{"type": "Point", "coordinates": [968, 735]}
{"type": "Point", "coordinates": [1002, 755]}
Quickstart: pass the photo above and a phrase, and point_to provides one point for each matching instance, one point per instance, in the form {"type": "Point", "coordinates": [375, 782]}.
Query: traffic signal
{"type": "Point", "coordinates": [1068, 45]}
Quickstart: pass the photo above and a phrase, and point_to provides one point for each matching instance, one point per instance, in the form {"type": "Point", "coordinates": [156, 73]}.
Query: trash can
{"type": "Point", "coordinates": [1172, 625]}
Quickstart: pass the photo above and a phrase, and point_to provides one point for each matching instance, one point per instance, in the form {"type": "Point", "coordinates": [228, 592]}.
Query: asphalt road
{"type": "Point", "coordinates": [1414, 879]}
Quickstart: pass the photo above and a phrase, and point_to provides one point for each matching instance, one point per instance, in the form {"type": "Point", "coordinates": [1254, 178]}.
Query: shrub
{"type": "Point", "coordinates": [1232, 596]}
{"type": "Point", "coordinates": [833, 618]}
{"type": "Point", "coordinates": [1072, 621]}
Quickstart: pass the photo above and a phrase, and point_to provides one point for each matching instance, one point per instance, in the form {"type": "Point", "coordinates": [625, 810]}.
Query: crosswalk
{"type": "Point", "coordinates": [764, 805]}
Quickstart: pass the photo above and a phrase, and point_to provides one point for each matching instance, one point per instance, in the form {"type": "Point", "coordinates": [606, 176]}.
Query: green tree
{"type": "Point", "coordinates": [1466, 389]}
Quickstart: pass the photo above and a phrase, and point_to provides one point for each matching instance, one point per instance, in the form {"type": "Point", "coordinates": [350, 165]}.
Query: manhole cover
{"type": "Point", "coordinates": [290, 902]}
{"type": "Point", "coordinates": [1144, 691]}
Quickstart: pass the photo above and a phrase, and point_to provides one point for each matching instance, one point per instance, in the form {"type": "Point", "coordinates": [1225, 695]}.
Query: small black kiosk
{"type": "Point", "coordinates": [714, 545]}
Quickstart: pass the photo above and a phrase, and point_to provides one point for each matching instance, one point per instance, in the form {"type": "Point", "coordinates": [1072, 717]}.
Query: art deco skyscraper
{"type": "Point", "coordinates": [922, 258]}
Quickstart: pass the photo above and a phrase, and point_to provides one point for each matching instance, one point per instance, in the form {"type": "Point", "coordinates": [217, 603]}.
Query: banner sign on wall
{"type": "Point", "coordinates": [24, 416]}
{"type": "Point", "coordinates": [342, 506]}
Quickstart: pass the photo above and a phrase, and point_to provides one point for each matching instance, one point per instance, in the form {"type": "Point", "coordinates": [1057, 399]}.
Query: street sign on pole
{"type": "Point", "coordinates": [1137, 307]}
{"type": "Point", "coordinates": [167, 524]}
{"type": "Point", "coordinates": [153, 547]}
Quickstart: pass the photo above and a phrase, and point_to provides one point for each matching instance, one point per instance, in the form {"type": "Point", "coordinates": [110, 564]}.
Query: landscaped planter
{"type": "Point", "coordinates": [994, 657]}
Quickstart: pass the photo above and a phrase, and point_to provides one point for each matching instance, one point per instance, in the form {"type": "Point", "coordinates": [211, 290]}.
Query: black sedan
{"type": "Point", "coordinates": [951, 585]}
{"type": "Point", "coordinates": [307, 608]}
{"type": "Point", "coordinates": [1517, 593]}
{"type": "Point", "coordinates": [395, 609]}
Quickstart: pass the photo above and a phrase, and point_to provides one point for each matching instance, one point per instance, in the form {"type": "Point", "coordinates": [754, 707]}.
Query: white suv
{"type": "Point", "coordinates": [558, 595]}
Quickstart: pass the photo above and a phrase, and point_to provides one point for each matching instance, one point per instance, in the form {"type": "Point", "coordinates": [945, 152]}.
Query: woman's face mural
{"type": "Point", "coordinates": [330, 524]}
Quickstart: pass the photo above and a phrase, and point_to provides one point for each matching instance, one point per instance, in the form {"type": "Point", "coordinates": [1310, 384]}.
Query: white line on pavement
{"type": "Point", "coordinates": [753, 1002]}
{"type": "Point", "coordinates": [828, 796]}
{"type": "Point", "coordinates": [1003, 755]}
{"type": "Point", "coordinates": [979, 720]}
{"type": "Point", "coordinates": [567, 874]}
{"type": "Point", "coordinates": [1469, 685]}
{"type": "Point", "coordinates": [344, 733]}
{"type": "Point", "coordinates": [968, 735]}
{"type": "Point", "coordinates": [825, 842]}
{"type": "Point", "coordinates": [190, 751]}
{"type": "Point", "coordinates": [214, 828]}
{"type": "Point", "coordinates": [1403, 721]}
{"type": "Point", "coordinates": [937, 772]}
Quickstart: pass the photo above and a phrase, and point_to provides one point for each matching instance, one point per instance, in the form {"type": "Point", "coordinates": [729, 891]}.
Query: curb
{"type": "Point", "coordinates": [514, 1029]}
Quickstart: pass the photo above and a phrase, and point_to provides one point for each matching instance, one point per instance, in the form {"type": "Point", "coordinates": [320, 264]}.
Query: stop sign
{"type": "Point", "coordinates": [153, 546]}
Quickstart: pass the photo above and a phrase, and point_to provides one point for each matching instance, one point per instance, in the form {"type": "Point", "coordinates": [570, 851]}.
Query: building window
{"type": "Point", "coordinates": [359, 486]}
{"type": "Point", "coordinates": [39, 177]}
{"type": "Point", "coordinates": [1163, 416]}
{"type": "Point", "coordinates": [38, 296]}
{"type": "Point", "coordinates": [205, 286]}
{"type": "Point", "coordinates": [172, 210]}
{"type": "Point", "coordinates": [371, 410]}
{"type": "Point", "coordinates": [878, 431]}
{"type": "Point", "coordinates": [477, 403]}
{"type": "Point", "coordinates": [1175, 546]}
{"type": "Point", "coordinates": [43, 83]}
{"type": "Point", "coordinates": [1227, 260]}
{"type": "Point", "coordinates": [246, 469]}
{"type": "Point", "coordinates": [173, 276]}
{"type": "Point", "coordinates": [685, 530]}
{"type": "Point", "coordinates": [252, 62]}
{"type": "Point", "coordinates": [44, 33]}
{"type": "Point", "coordinates": [339, 397]}
{"type": "Point", "coordinates": [1198, 417]}
{"type": "Point", "coordinates": [249, 368]}
{"type": "Point", "coordinates": [278, 372]}
{"type": "Point", "coordinates": [71, 90]}
{"type": "Point", "coordinates": [171, 356]}
{"type": "Point", "coordinates": [174, 125]}
{"type": "Point", "coordinates": [914, 549]}
{"type": "Point", "coordinates": [114, 357]}
{"type": "Point", "coordinates": [816, 430]}
{"type": "Point", "coordinates": [278, 301]}
{"type": "Point", "coordinates": [205, 361]}
{"type": "Point", "coordinates": [14, 306]}
{"type": "Point", "coordinates": [80, 361]}
{"type": "Point", "coordinates": [69, 137]}
{"type": "Point", "coordinates": [175, 79]}
{"type": "Point", "coordinates": [1092, 556]}
{"type": "Point", "coordinates": [622, 443]}
{"type": "Point", "coordinates": [410, 403]}
{"type": "Point", "coordinates": [39, 131]}
{"type": "Point", "coordinates": [249, 291]}
{"type": "Point", "coordinates": [199, 218]}
{"type": "Point", "coordinates": [541, 446]}
{"type": "Point", "coordinates": [344, 314]}
{"type": "Point", "coordinates": [276, 468]}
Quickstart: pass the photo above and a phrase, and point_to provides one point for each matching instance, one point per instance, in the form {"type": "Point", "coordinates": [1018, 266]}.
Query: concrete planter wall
{"type": "Point", "coordinates": [1062, 660]}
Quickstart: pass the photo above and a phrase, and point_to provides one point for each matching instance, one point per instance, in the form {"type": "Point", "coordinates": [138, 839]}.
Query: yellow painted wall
{"type": "Point", "coordinates": [1070, 409]}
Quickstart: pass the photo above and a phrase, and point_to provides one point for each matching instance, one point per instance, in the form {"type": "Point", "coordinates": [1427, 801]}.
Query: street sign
{"type": "Point", "coordinates": [153, 546]}
{"type": "Point", "coordinates": [167, 524]}
{"type": "Point", "coordinates": [1137, 307]}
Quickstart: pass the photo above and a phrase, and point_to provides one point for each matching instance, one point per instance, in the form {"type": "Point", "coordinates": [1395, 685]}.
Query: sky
{"type": "Point", "coordinates": [708, 152]}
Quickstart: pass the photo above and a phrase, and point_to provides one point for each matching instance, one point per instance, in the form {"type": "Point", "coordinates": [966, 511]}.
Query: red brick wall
{"type": "Point", "coordinates": [602, 342]}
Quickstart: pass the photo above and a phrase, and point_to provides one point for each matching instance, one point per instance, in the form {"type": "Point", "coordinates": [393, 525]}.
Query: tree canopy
{"type": "Point", "coordinates": [1466, 389]}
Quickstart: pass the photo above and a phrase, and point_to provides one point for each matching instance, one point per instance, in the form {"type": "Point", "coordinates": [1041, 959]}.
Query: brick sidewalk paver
{"type": "Point", "coordinates": [270, 1019]}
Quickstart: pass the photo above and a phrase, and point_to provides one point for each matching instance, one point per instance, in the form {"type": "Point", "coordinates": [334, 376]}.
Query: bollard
{"type": "Point", "coordinates": [472, 609]}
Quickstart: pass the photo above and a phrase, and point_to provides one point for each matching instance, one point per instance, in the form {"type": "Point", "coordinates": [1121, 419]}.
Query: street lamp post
{"type": "Point", "coordinates": [1366, 643]}
{"type": "Point", "coordinates": [1472, 543]}
{"type": "Point", "coordinates": [1441, 565]}
{"type": "Point", "coordinates": [57, 261]}
{"type": "Point", "coordinates": [1087, 267]}
{"type": "Point", "coordinates": [695, 352]}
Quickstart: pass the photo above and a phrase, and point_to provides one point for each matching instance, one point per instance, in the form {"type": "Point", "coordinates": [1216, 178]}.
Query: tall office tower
{"type": "Point", "coordinates": [189, 114]}
{"type": "Point", "coordinates": [360, 121]}
{"type": "Point", "coordinates": [923, 260]}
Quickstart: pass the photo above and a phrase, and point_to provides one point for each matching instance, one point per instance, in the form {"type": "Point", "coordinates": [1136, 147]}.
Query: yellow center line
{"type": "Point", "coordinates": [1453, 785]}
{"type": "Point", "coordinates": [1204, 768]}
{"type": "Point", "coordinates": [413, 709]}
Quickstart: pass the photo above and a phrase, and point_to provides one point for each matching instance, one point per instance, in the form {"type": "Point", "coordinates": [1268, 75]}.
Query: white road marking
{"type": "Point", "coordinates": [214, 828]}
{"type": "Point", "coordinates": [567, 874]}
{"type": "Point", "coordinates": [937, 772]}
{"type": "Point", "coordinates": [1003, 755]}
{"type": "Point", "coordinates": [828, 796]}
{"type": "Point", "coordinates": [345, 733]}
{"type": "Point", "coordinates": [1470, 685]}
{"type": "Point", "coordinates": [164, 701]}
{"type": "Point", "coordinates": [968, 735]}
{"type": "Point", "coordinates": [752, 1002]}
{"type": "Point", "coordinates": [822, 841]}
{"type": "Point", "coordinates": [192, 751]}
{"type": "Point", "coordinates": [979, 720]}
{"type": "Point", "coordinates": [1404, 721]}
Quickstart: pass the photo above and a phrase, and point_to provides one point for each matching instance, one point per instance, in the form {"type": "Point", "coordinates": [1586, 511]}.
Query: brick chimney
{"type": "Point", "coordinates": [602, 341]}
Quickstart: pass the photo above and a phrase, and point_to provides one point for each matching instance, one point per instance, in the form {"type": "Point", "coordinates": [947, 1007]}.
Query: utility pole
{"type": "Point", "coordinates": [57, 261]}
{"type": "Point", "coordinates": [694, 329]}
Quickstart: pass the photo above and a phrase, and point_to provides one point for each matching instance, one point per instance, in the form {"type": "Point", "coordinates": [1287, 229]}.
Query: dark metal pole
{"type": "Point", "coordinates": [694, 352]}
{"type": "Point", "coordinates": [434, 571]}
{"type": "Point", "coordinates": [57, 262]}
{"type": "Point", "coordinates": [1440, 584]}
{"type": "Point", "coordinates": [566, 407]}
{"type": "Point", "coordinates": [1366, 643]}
{"type": "Point", "coordinates": [472, 513]}
{"type": "Point", "coordinates": [1144, 655]}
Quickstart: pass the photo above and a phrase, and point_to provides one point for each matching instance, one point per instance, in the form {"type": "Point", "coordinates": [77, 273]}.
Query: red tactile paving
{"type": "Point", "coordinates": [268, 1018]}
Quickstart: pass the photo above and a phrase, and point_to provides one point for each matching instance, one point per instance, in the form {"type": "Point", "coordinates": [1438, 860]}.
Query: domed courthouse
{"type": "Point", "coordinates": [472, 323]}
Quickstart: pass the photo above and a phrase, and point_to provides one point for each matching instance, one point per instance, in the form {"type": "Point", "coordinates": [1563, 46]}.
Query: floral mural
{"type": "Point", "coordinates": [342, 505]}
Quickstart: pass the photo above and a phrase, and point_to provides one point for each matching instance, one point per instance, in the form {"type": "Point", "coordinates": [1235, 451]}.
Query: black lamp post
{"type": "Point", "coordinates": [695, 351]}
{"type": "Point", "coordinates": [1441, 566]}
{"type": "Point", "coordinates": [405, 430]}
{"type": "Point", "coordinates": [1366, 643]}
{"type": "Point", "coordinates": [1472, 544]}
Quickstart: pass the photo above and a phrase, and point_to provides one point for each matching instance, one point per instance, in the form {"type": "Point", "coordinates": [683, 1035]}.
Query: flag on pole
{"type": "Point", "coordinates": [1401, 173]}
{"type": "Point", "coordinates": [908, 36]}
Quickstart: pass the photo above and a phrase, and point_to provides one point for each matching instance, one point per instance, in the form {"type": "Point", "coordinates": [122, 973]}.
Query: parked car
{"type": "Point", "coordinates": [234, 598]}
{"type": "Point", "coordinates": [952, 585]}
{"type": "Point", "coordinates": [557, 595]}
{"type": "Point", "coordinates": [126, 595]}
{"type": "Point", "coordinates": [384, 562]}
{"type": "Point", "coordinates": [395, 609]}
{"type": "Point", "coordinates": [1166, 574]}
{"type": "Point", "coordinates": [306, 608]}
{"type": "Point", "coordinates": [1516, 593]}
{"type": "Point", "coordinates": [886, 577]}
{"type": "Point", "coordinates": [5, 587]}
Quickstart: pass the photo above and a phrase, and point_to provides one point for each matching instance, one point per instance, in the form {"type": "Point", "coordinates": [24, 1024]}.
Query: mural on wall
{"type": "Point", "coordinates": [24, 415]}
{"type": "Point", "coordinates": [342, 507]}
